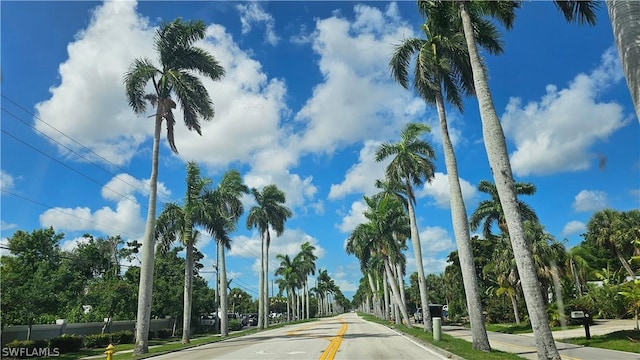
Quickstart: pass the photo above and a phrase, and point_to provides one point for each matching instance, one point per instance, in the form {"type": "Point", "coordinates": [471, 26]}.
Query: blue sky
{"type": "Point", "coordinates": [306, 100]}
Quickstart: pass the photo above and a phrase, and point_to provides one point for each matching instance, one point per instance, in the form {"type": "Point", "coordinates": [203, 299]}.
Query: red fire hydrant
{"type": "Point", "coordinates": [110, 351]}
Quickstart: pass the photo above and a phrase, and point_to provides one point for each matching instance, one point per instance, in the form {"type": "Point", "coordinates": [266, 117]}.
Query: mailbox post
{"type": "Point", "coordinates": [585, 321]}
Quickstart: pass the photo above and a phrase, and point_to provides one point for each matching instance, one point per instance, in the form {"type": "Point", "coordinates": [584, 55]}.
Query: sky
{"type": "Point", "coordinates": [306, 100]}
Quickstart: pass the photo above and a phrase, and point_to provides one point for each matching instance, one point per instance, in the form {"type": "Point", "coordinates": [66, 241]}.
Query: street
{"type": "Point", "coordinates": [342, 337]}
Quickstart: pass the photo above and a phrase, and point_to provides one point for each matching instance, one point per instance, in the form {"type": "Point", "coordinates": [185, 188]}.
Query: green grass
{"type": "Point", "coordinates": [624, 340]}
{"type": "Point", "coordinates": [449, 343]}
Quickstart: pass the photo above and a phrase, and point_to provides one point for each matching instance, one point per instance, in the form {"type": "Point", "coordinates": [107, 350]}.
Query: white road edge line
{"type": "Point", "coordinates": [441, 356]}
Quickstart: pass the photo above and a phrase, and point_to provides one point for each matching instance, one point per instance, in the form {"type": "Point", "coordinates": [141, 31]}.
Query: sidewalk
{"type": "Point", "coordinates": [524, 344]}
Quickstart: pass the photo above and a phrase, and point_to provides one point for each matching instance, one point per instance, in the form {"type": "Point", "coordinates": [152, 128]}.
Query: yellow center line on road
{"type": "Point", "coordinates": [331, 350]}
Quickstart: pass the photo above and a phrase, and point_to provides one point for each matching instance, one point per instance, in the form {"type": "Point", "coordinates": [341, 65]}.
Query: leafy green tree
{"type": "Point", "coordinates": [411, 165]}
{"type": "Point", "coordinates": [307, 265]}
{"type": "Point", "coordinates": [386, 221]}
{"type": "Point", "coordinates": [178, 222]}
{"type": "Point", "coordinates": [29, 294]}
{"type": "Point", "coordinates": [224, 208]}
{"type": "Point", "coordinates": [631, 294]}
{"type": "Point", "coordinates": [442, 68]}
{"type": "Point", "coordinates": [473, 16]}
{"type": "Point", "coordinates": [615, 231]}
{"type": "Point", "coordinates": [490, 212]}
{"type": "Point", "coordinates": [180, 61]}
{"type": "Point", "coordinates": [269, 211]}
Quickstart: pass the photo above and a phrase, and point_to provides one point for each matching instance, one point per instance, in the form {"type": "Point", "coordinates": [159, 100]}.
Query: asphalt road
{"type": "Point", "coordinates": [341, 337]}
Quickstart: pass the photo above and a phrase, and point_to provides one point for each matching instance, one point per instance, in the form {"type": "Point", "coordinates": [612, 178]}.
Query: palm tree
{"type": "Point", "coordinates": [442, 66]}
{"type": "Point", "coordinates": [625, 20]}
{"type": "Point", "coordinates": [412, 164]}
{"type": "Point", "coordinates": [490, 212]}
{"type": "Point", "coordinates": [177, 221]}
{"type": "Point", "coordinates": [306, 260]}
{"type": "Point", "coordinates": [290, 278]}
{"type": "Point", "coordinates": [180, 60]}
{"type": "Point", "coordinates": [269, 212]}
{"type": "Point", "coordinates": [473, 16]}
{"type": "Point", "coordinates": [606, 228]}
{"type": "Point", "coordinates": [224, 210]}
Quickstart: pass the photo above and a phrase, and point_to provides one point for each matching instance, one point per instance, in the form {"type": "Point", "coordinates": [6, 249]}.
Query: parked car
{"type": "Point", "coordinates": [252, 319]}
{"type": "Point", "coordinates": [417, 316]}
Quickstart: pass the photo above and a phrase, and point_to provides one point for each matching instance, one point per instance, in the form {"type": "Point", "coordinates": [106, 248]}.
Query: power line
{"type": "Point", "coordinates": [67, 213]}
{"type": "Point", "coordinates": [70, 168]}
{"type": "Point", "coordinates": [68, 137]}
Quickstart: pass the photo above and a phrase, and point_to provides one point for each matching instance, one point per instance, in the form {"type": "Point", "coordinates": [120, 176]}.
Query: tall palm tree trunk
{"type": "Point", "coordinates": [417, 251]}
{"type": "Point", "coordinates": [385, 289]}
{"type": "Point", "coordinates": [188, 289]}
{"type": "Point", "coordinates": [576, 279]}
{"type": "Point", "coordinates": [145, 287]}
{"type": "Point", "coordinates": [625, 264]}
{"type": "Point", "coordinates": [224, 326]}
{"type": "Point", "coordinates": [625, 20]}
{"type": "Point", "coordinates": [514, 305]}
{"type": "Point", "coordinates": [261, 286]}
{"type": "Point", "coordinates": [373, 294]}
{"type": "Point", "coordinates": [403, 296]}
{"type": "Point", "coordinates": [480, 340]}
{"type": "Point", "coordinates": [307, 292]}
{"type": "Point", "coordinates": [396, 293]}
{"type": "Point", "coordinates": [265, 294]}
{"type": "Point", "coordinates": [496, 148]}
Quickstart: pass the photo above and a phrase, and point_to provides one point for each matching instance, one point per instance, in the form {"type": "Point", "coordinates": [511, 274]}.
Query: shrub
{"type": "Point", "coordinates": [97, 341]}
{"type": "Point", "coordinates": [235, 325]}
{"type": "Point", "coordinates": [66, 343]}
{"type": "Point", "coordinates": [152, 334]}
{"type": "Point", "coordinates": [164, 333]}
{"type": "Point", "coordinates": [122, 337]}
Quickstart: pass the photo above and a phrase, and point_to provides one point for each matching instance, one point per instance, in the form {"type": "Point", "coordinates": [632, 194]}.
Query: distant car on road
{"type": "Point", "coordinates": [417, 316]}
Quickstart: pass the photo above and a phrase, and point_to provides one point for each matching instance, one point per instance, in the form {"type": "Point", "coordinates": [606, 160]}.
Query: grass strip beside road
{"type": "Point", "coordinates": [624, 340]}
{"type": "Point", "coordinates": [449, 343]}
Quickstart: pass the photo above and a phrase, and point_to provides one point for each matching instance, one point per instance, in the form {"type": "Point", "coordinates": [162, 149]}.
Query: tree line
{"type": "Point", "coordinates": [445, 66]}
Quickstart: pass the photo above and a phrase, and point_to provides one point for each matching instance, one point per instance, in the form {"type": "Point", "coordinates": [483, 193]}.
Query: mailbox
{"type": "Point", "coordinates": [577, 315]}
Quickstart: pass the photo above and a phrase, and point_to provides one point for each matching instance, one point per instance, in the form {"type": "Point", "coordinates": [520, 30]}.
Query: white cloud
{"type": "Point", "coordinates": [357, 95]}
{"type": "Point", "coordinates": [4, 242]}
{"type": "Point", "coordinates": [289, 243]}
{"type": "Point", "coordinates": [556, 133]}
{"type": "Point", "coordinates": [589, 200]}
{"type": "Point", "coordinates": [72, 244]}
{"type": "Point", "coordinates": [6, 181]}
{"type": "Point", "coordinates": [573, 227]}
{"type": "Point", "coordinates": [435, 240]}
{"type": "Point", "coordinates": [248, 104]}
{"type": "Point", "coordinates": [7, 226]}
{"type": "Point", "coordinates": [91, 87]}
{"type": "Point", "coordinates": [251, 14]}
{"type": "Point", "coordinates": [439, 190]}
{"type": "Point", "coordinates": [124, 185]}
{"type": "Point", "coordinates": [360, 178]}
{"type": "Point", "coordinates": [302, 37]}
{"type": "Point", "coordinates": [124, 220]}
{"type": "Point", "coordinates": [354, 217]}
